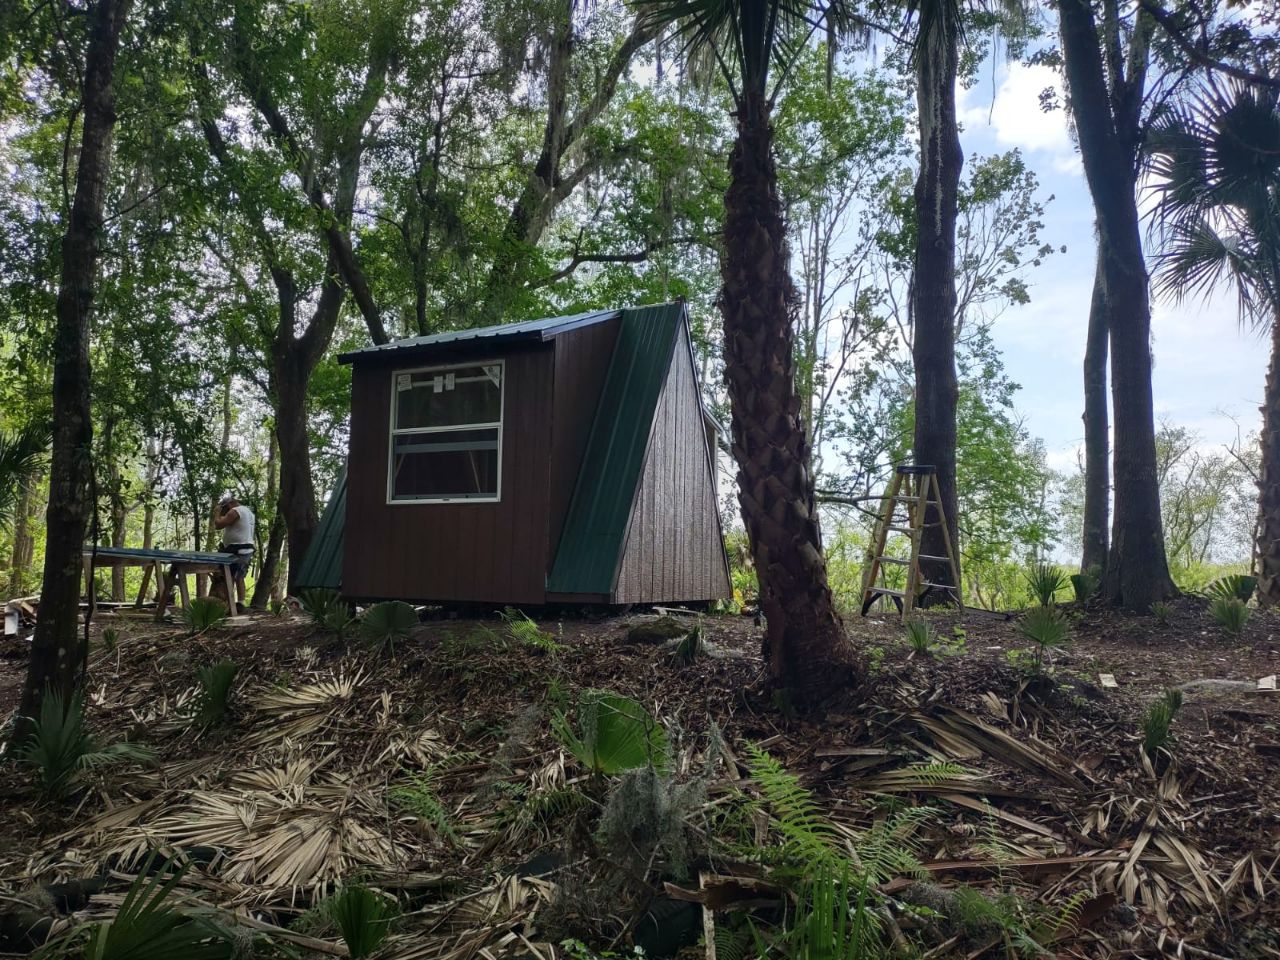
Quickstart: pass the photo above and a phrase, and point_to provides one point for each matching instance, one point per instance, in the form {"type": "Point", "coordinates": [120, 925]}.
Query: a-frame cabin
{"type": "Point", "coordinates": [563, 460]}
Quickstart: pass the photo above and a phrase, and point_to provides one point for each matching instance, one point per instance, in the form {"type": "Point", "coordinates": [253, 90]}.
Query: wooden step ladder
{"type": "Point", "coordinates": [916, 489]}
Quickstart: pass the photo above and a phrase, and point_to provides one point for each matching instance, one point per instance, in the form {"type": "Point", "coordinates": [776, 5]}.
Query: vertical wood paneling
{"type": "Point", "coordinates": [483, 552]}
{"type": "Point", "coordinates": [674, 550]}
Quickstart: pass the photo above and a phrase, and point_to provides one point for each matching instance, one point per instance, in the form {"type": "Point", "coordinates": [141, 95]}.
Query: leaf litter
{"type": "Point", "coordinates": [1035, 789]}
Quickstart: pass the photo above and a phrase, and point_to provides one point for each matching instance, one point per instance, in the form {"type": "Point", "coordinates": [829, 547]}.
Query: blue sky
{"type": "Point", "coordinates": [1206, 369]}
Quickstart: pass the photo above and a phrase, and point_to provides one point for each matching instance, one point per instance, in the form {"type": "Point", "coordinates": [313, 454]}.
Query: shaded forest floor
{"type": "Point", "coordinates": [432, 773]}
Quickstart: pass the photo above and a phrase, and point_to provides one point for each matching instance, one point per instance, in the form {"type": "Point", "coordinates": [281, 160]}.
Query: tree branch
{"type": "Point", "coordinates": [1198, 51]}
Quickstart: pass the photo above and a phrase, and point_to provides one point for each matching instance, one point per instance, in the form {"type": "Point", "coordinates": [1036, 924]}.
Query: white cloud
{"type": "Point", "coordinates": [1015, 118]}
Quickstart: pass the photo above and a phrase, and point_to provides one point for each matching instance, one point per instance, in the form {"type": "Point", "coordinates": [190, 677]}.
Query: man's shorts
{"type": "Point", "coordinates": [244, 555]}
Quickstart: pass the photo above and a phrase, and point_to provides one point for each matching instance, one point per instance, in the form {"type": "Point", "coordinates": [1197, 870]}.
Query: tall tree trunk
{"type": "Point", "coordinates": [297, 493]}
{"type": "Point", "coordinates": [1106, 123]}
{"type": "Point", "coordinates": [933, 291]}
{"type": "Point", "coordinates": [808, 650]}
{"type": "Point", "coordinates": [56, 650]}
{"type": "Point", "coordinates": [263, 587]}
{"type": "Point", "coordinates": [1269, 482]}
{"type": "Point", "coordinates": [1097, 444]}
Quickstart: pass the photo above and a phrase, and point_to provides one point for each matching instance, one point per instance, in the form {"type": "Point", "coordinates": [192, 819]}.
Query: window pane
{"type": "Point", "coordinates": [458, 463]}
{"type": "Point", "coordinates": [449, 398]}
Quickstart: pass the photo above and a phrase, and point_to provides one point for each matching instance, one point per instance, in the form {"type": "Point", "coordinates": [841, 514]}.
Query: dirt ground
{"type": "Point", "coordinates": [1035, 785]}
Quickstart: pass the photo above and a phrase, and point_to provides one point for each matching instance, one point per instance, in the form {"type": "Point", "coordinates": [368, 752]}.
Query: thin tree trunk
{"type": "Point", "coordinates": [1097, 444]}
{"type": "Point", "coordinates": [1269, 483]}
{"type": "Point", "coordinates": [24, 542]}
{"type": "Point", "coordinates": [56, 648]}
{"type": "Point", "coordinates": [263, 588]}
{"type": "Point", "coordinates": [807, 647]}
{"type": "Point", "coordinates": [933, 293]}
{"type": "Point", "coordinates": [297, 493]}
{"type": "Point", "coordinates": [1137, 566]}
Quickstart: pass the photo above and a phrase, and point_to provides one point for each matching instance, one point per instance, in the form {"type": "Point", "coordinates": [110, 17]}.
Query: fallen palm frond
{"type": "Point", "coordinates": [300, 712]}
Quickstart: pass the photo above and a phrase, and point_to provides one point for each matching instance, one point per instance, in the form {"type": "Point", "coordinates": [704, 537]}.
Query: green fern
{"type": "Point", "coordinates": [526, 632]}
{"type": "Point", "coordinates": [808, 836]}
{"type": "Point", "coordinates": [418, 797]}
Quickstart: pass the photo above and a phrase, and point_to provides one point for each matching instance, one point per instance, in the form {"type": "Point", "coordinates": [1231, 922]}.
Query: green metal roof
{"type": "Point", "coordinates": [322, 566]}
{"type": "Point", "coordinates": [536, 330]}
{"type": "Point", "coordinates": [596, 525]}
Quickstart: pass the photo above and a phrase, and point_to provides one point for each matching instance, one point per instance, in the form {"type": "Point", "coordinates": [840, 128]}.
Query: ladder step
{"type": "Point", "coordinates": [925, 556]}
{"type": "Point", "coordinates": [898, 560]}
{"type": "Point", "coordinates": [885, 592]}
{"type": "Point", "coordinates": [940, 586]}
{"type": "Point", "coordinates": [904, 499]}
{"type": "Point", "coordinates": [895, 529]}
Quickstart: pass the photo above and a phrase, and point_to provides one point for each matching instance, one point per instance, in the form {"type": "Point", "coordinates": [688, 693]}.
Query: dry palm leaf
{"type": "Point", "coordinates": [299, 712]}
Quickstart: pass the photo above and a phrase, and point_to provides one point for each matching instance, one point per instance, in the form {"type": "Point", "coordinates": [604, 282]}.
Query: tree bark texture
{"type": "Point", "coordinates": [1106, 122]}
{"type": "Point", "coordinates": [933, 293]}
{"type": "Point", "coordinates": [1269, 482]}
{"type": "Point", "coordinates": [808, 651]}
{"type": "Point", "coordinates": [268, 573]}
{"type": "Point", "coordinates": [56, 648]}
{"type": "Point", "coordinates": [1097, 442]}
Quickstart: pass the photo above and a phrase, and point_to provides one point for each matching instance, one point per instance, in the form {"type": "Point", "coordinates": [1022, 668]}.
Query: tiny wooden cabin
{"type": "Point", "coordinates": [567, 459]}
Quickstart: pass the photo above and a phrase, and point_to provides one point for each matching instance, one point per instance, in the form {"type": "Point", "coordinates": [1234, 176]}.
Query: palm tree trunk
{"type": "Point", "coordinates": [933, 290]}
{"type": "Point", "coordinates": [1097, 472]}
{"type": "Point", "coordinates": [1269, 482]}
{"type": "Point", "coordinates": [807, 648]}
{"type": "Point", "coordinates": [56, 650]}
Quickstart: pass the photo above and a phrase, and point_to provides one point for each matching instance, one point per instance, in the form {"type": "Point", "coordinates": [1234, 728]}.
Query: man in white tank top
{"type": "Point", "coordinates": [236, 522]}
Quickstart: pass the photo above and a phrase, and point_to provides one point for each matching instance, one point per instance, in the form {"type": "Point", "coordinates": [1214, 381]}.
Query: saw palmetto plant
{"type": "Point", "coordinates": [1234, 586]}
{"type": "Point", "coordinates": [920, 635]}
{"type": "Point", "coordinates": [1230, 614]}
{"type": "Point", "coordinates": [61, 750]}
{"type": "Point", "coordinates": [1157, 723]}
{"type": "Point", "coordinates": [203, 613]}
{"type": "Point", "coordinates": [1044, 581]}
{"type": "Point", "coordinates": [21, 453]}
{"type": "Point", "coordinates": [1046, 627]}
{"type": "Point", "coordinates": [611, 734]}
{"type": "Point", "coordinates": [148, 926]}
{"type": "Point", "coordinates": [327, 609]}
{"type": "Point", "coordinates": [213, 699]}
{"type": "Point", "coordinates": [1215, 162]}
{"type": "Point", "coordinates": [385, 623]}
{"type": "Point", "coordinates": [363, 918]}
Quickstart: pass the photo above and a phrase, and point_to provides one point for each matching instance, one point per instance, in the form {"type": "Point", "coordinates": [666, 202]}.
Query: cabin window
{"type": "Point", "coordinates": [446, 433]}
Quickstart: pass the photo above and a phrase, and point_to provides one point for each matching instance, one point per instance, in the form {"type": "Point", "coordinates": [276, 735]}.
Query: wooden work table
{"type": "Point", "coordinates": [181, 564]}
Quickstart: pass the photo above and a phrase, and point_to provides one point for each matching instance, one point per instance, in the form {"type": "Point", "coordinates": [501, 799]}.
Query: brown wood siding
{"type": "Point", "coordinates": [581, 364]}
{"type": "Point", "coordinates": [481, 552]}
{"type": "Point", "coordinates": [674, 549]}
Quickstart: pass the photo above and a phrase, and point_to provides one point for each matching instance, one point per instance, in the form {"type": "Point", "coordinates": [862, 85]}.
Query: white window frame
{"type": "Point", "coordinates": [393, 431]}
